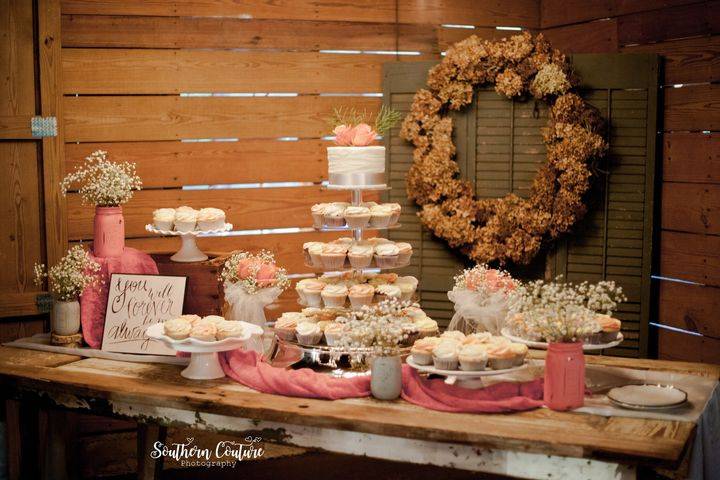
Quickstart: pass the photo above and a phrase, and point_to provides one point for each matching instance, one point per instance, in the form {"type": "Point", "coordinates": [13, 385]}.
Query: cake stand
{"type": "Point", "coordinates": [189, 251]}
{"type": "Point", "coordinates": [470, 379]}
{"type": "Point", "coordinates": [204, 362]}
{"type": "Point", "coordinates": [587, 347]}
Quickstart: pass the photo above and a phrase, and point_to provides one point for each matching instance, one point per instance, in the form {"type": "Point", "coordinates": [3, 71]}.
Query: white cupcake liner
{"type": "Point", "coordinates": [473, 365]}
{"type": "Point", "coordinates": [334, 221]}
{"type": "Point", "coordinates": [360, 261]}
{"type": "Point", "coordinates": [167, 225]}
{"type": "Point", "coordinates": [313, 299]}
{"type": "Point", "coordinates": [318, 220]}
{"type": "Point", "coordinates": [394, 219]}
{"type": "Point", "coordinates": [445, 363]}
{"type": "Point", "coordinates": [184, 226]}
{"type": "Point", "coordinates": [380, 221]}
{"type": "Point", "coordinates": [333, 262]}
{"type": "Point", "coordinates": [422, 358]}
{"type": "Point", "coordinates": [358, 302]}
{"type": "Point", "coordinates": [386, 261]}
{"type": "Point", "coordinates": [334, 300]}
{"type": "Point", "coordinates": [501, 363]}
{"type": "Point", "coordinates": [333, 339]}
{"type": "Point", "coordinates": [360, 221]}
{"type": "Point", "coordinates": [211, 225]}
{"type": "Point", "coordinates": [404, 258]}
{"type": "Point", "coordinates": [518, 360]}
{"type": "Point", "coordinates": [316, 260]}
{"type": "Point", "coordinates": [309, 339]}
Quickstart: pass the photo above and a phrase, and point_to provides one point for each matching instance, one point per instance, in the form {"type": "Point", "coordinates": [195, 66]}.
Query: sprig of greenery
{"type": "Point", "coordinates": [386, 119]}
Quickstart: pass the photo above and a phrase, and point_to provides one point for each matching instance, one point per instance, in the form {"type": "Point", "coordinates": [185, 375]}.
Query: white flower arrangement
{"type": "Point", "coordinates": [103, 183]}
{"type": "Point", "coordinates": [71, 275]}
{"type": "Point", "coordinates": [564, 312]}
{"type": "Point", "coordinates": [378, 329]}
{"type": "Point", "coordinates": [254, 271]}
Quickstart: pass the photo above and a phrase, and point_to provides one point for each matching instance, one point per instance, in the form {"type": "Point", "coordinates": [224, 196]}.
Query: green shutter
{"type": "Point", "coordinates": [500, 147]}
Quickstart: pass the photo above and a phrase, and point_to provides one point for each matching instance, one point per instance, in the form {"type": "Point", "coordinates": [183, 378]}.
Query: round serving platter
{"type": "Point", "coordinates": [346, 228]}
{"type": "Point", "coordinates": [189, 251]}
{"type": "Point", "coordinates": [588, 347]}
{"type": "Point", "coordinates": [353, 269]}
{"type": "Point", "coordinates": [647, 397]}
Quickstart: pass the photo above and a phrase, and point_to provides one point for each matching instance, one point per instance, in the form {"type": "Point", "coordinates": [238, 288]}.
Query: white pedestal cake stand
{"type": "Point", "coordinates": [587, 347]}
{"type": "Point", "coordinates": [189, 251]}
{"type": "Point", "coordinates": [466, 379]}
{"type": "Point", "coordinates": [204, 362]}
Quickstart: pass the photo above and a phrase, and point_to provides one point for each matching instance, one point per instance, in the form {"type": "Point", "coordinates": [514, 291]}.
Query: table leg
{"type": "Point", "coordinates": [57, 438]}
{"type": "Point", "coordinates": [147, 434]}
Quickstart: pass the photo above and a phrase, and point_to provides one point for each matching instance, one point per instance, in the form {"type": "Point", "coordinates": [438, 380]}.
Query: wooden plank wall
{"type": "Point", "coordinates": [199, 94]}
{"type": "Point", "coordinates": [687, 34]}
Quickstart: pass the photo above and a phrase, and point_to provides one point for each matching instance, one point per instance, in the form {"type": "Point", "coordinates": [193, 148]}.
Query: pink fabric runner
{"type": "Point", "coordinates": [247, 368]}
{"type": "Point", "coordinates": [94, 301]}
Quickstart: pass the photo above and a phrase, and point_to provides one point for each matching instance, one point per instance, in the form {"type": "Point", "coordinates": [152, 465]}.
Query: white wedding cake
{"type": "Point", "coordinates": [356, 166]}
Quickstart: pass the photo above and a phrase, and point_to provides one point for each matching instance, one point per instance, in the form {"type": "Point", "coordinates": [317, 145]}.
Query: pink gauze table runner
{"type": "Point", "coordinates": [94, 301]}
{"type": "Point", "coordinates": [248, 369]}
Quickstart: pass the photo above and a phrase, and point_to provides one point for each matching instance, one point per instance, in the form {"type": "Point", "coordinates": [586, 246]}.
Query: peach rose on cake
{"type": "Point", "coordinates": [344, 135]}
{"type": "Point", "coordinates": [363, 135]}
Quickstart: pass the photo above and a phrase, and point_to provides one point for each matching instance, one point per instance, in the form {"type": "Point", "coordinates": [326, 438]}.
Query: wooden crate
{"type": "Point", "coordinates": [203, 293]}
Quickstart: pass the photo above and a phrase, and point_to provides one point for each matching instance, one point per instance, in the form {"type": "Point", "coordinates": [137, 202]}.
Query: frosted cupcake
{"type": "Point", "coordinates": [214, 319]}
{"type": "Point", "coordinates": [478, 338]}
{"type": "Point", "coordinates": [380, 216]}
{"type": "Point", "coordinates": [333, 256]}
{"type": "Point", "coordinates": [386, 255]}
{"type": "Point", "coordinates": [361, 255]}
{"type": "Point", "coordinates": [404, 253]}
{"type": "Point", "coordinates": [520, 350]}
{"type": "Point", "coordinates": [473, 358]}
{"type": "Point", "coordinates": [357, 217]}
{"type": "Point", "coordinates": [334, 215]}
{"type": "Point", "coordinates": [333, 332]}
{"type": "Point", "coordinates": [211, 219]}
{"type": "Point", "coordinates": [334, 295]}
{"type": "Point", "coordinates": [318, 214]}
{"type": "Point", "coordinates": [306, 251]}
{"type": "Point", "coordinates": [164, 218]}
{"type": "Point", "coordinates": [500, 356]}
{"type": "Point", "coordinates": [395, 209]}
{"type": "Point", "coordinates": [177, 328]}
{"type": "Point", "coordinates": [609, 328]}
{"type": "Point", "coordinates": [422, 350]}
{"type": "Point", "coordinates": [427, 327]}
{"type": "Point", "coordinates": [312, 289]}
{"type": "Point", "coordinates": [300, 290]}
{"type": "Point", "coordinates": [285, 327]}
{"type": "Point", "coordinates": [315, 253]}
{"type": "Point", "coordinates": [445, 356]}
{"type": "Point", "coordinates": [192, 318]}
{"type": "Point", "coordinates": [185, 219]}
{"type": "Point", "coordinates": [407, 286]}
{"type": "Point", "coordinates": [361, 294]}
{"type": "Point", "coordinates": [387, 291]}
{"type": "Point", "coordinates": [308, 333]}
{"type": "Point", "coordinates": [456, 335]}
{"type": "Point", "coordinates": [205, 331]}
{"type": "Point", "coordinates": [229, 329]}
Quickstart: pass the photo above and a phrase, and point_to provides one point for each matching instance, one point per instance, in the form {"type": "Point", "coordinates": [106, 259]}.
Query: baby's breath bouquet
{"type": "Point", "coordinates": [71, 275]}
{"type": "Point", "coordinates": [563, 312]}
{"type": "Point", "coordinates": [250, 282]}
{"type": "Point", "coordinates": [103, 183]}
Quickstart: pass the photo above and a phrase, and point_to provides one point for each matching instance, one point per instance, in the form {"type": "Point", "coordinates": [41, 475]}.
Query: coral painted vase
{"type": "Point", "coordinates": [109, 232]}
{"type": "Point", "coordinates": [564, 376]}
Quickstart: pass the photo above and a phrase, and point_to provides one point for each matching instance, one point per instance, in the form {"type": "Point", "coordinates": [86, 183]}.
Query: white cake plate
{"type": "Point", "coordinates": [189, 251]}
{"type": "Point", "coordinates": [469, 379]}
{"type": "Point", "coordinates": [381, 187]}
{"type": "Point", "coordinates": [346, 228]}
{"type": "Point", "coordinates": [204, 362]}
{"type": "Point", "coordinates": [588, 347]}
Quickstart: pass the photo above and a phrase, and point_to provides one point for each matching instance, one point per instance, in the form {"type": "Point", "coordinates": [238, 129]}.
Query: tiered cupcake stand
{"type": "Point", "coordinates": [345, 361]}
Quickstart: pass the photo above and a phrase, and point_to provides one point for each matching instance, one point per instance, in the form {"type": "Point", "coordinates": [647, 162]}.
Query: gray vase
{"type": "Point", "coordinates": [386, 377]}
{"type": "Point", "coordinates": [65, 317]}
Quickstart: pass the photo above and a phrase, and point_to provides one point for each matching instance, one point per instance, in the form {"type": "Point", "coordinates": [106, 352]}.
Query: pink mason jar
{"type": "Point", "coordinates": [564, 376]}
{"type": "Point", "coordinates": [109, 232]}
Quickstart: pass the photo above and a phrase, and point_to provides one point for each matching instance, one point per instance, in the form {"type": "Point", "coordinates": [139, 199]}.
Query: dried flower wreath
{"type": "Point", "coordinates": [509, 228]}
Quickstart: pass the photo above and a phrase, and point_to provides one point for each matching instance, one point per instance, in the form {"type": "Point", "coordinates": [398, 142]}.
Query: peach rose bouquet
{"type": "Point", "coordinates": [351, 130]}
{"type": "Point", "coordinates": [250, 283]}
{"type": "Point", "coordinates": [481, 297]}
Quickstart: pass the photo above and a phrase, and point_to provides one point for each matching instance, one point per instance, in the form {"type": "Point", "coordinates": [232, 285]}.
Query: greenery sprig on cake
{"type": "Point", "coordinates": [350, 126]}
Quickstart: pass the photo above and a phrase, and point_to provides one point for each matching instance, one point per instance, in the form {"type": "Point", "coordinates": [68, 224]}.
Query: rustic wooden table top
{"type": "Point", "coordinates": [543, 431]}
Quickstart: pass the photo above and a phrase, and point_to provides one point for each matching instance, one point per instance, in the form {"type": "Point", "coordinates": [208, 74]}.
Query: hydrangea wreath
{"type": "Point", "coordinates": [509, 228]}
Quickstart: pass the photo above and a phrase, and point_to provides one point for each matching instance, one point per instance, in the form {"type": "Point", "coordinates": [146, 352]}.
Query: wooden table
{"type": "Point", "coordinates": [532, 444]}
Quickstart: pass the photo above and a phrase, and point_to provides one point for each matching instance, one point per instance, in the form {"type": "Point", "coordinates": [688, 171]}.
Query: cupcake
{"type": "Point", "coordinates": [306, 252]}
{"type": "Point", "coordinates": [285, 327]}
{"type": "Point", "coordinates": [404, 253]}
{"type": "Point", "coordinates": [318, 214]}
{"type": "Point", "coordinates": [308, 333]}
{"type": "Point", "coordinates": [229, 329]}
{"type": "Point", "coordinates": [427, 327]}
{"type": "Point", "coordinates": [368, 204]}
{"type": "Point", "coordinates": [311, 292]}
{"type": "Point", "coordinates": [361, 294]}
{"type": "Point", "coordinates": [334, 215]}
{"type": "Point", "coordinates": [333, 256]}
{"type": "Point", "coordinates": [164, 218]}
{"type": "Point", "coordinates": [395, 209]}
{"type": "Point", "coordinates": [185, 219]}
{"type": "Point", "coordinates": [334, 295]}
{"type": "Point", "coordinates": [211, 219]}
{"type": "Point", "coordinates": [375, 241]}
{"type": "Point", "coordinates": [386, 255]}
{"type": "Point", "coordinates": [445, 356]}
{"type": "Point", "coordinates": [520, 350]}
{"type": "Point", "coordinates": [478, 338]}
{"type": "Point", "coordinates": [380, 216]}
{"type": "Point", "coordinates": [407, 286]}
{"type": "Point", "coordinates": [347, 241]}
{"type": "Point", "coordinates": [300, 290]}
{"type": "Point", "coordinates": [387, 291]}
{"type": "Point", "coordinates": [610, 328]}
{"type": "Point", "coordinates": [410, 333]}
{"type": "Point", "coordinates": [333, 332]}
{"type": "Point", "coordinates": [357, 217]}
{"type": "Point", "coordinates": [414, 313]}
{"type": "Point", "coordinates": [214, 319]}
{"type": "Point", "coordinates": [315, 253]}
{"type": "Point", "coordinates": [456, 335]}
{"type": "Point", "coordinates": [473, 358]}
{"type": "Point", "coordinates": [205, 331]}
{"type": "Point", "coordinates": [177, 328]}
{"type": "Point", "coordinates": [192, 318]}
{"type": "Point", "coordinates": [500, 357]}
{"type": "Point", "coordinates": [360, 255]}
{"type": "Point", "coordinates": [382, 278]}
{"type": "Point", "coordinates": [422, 350]}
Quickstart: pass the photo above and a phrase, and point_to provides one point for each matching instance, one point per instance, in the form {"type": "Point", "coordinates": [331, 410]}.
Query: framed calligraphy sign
{"type": "Point", "coordinates": [134, 303]}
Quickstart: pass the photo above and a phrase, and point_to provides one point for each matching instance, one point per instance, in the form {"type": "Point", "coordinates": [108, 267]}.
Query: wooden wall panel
{"type": "Point", "coordinates": [678, 346]}
{"type": "Point", "coordinates": [695, 107]}
{"type": "Point", "coordinates": [686, 61]}
{"type": "Point", "coordinates": [132, 118]}
{"type": "Point", "coordinates": [691, 207]}
{"type": "Point", "coordinates": [691, 257]}
{"type": "Point", "coordinates": [697, 312]}
{"type": "Point", "coordinates": [174, 163]}
{"type": "Point", "coordinates": [600, 36]}
{"type": "Point", "coordinates": [691, 157]}
{"type": "Point", "coordinates": [563, 12]}
{"type": "Point", "coordinates": [695, 19]}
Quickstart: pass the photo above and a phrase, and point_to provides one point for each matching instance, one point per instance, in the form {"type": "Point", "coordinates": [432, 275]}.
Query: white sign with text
{"type": "Point", "coordinates": [134, 303]}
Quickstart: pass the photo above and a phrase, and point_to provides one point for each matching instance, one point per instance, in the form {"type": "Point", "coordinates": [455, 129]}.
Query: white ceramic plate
{"type": "Point", "coordinates": [156, 331]}
{"type": "Point", "coordinates": [588, 347]}
{"type": "Point", "coordinates": [461, 373]}
{"type": "Point", "coordinates": [647, 397]}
